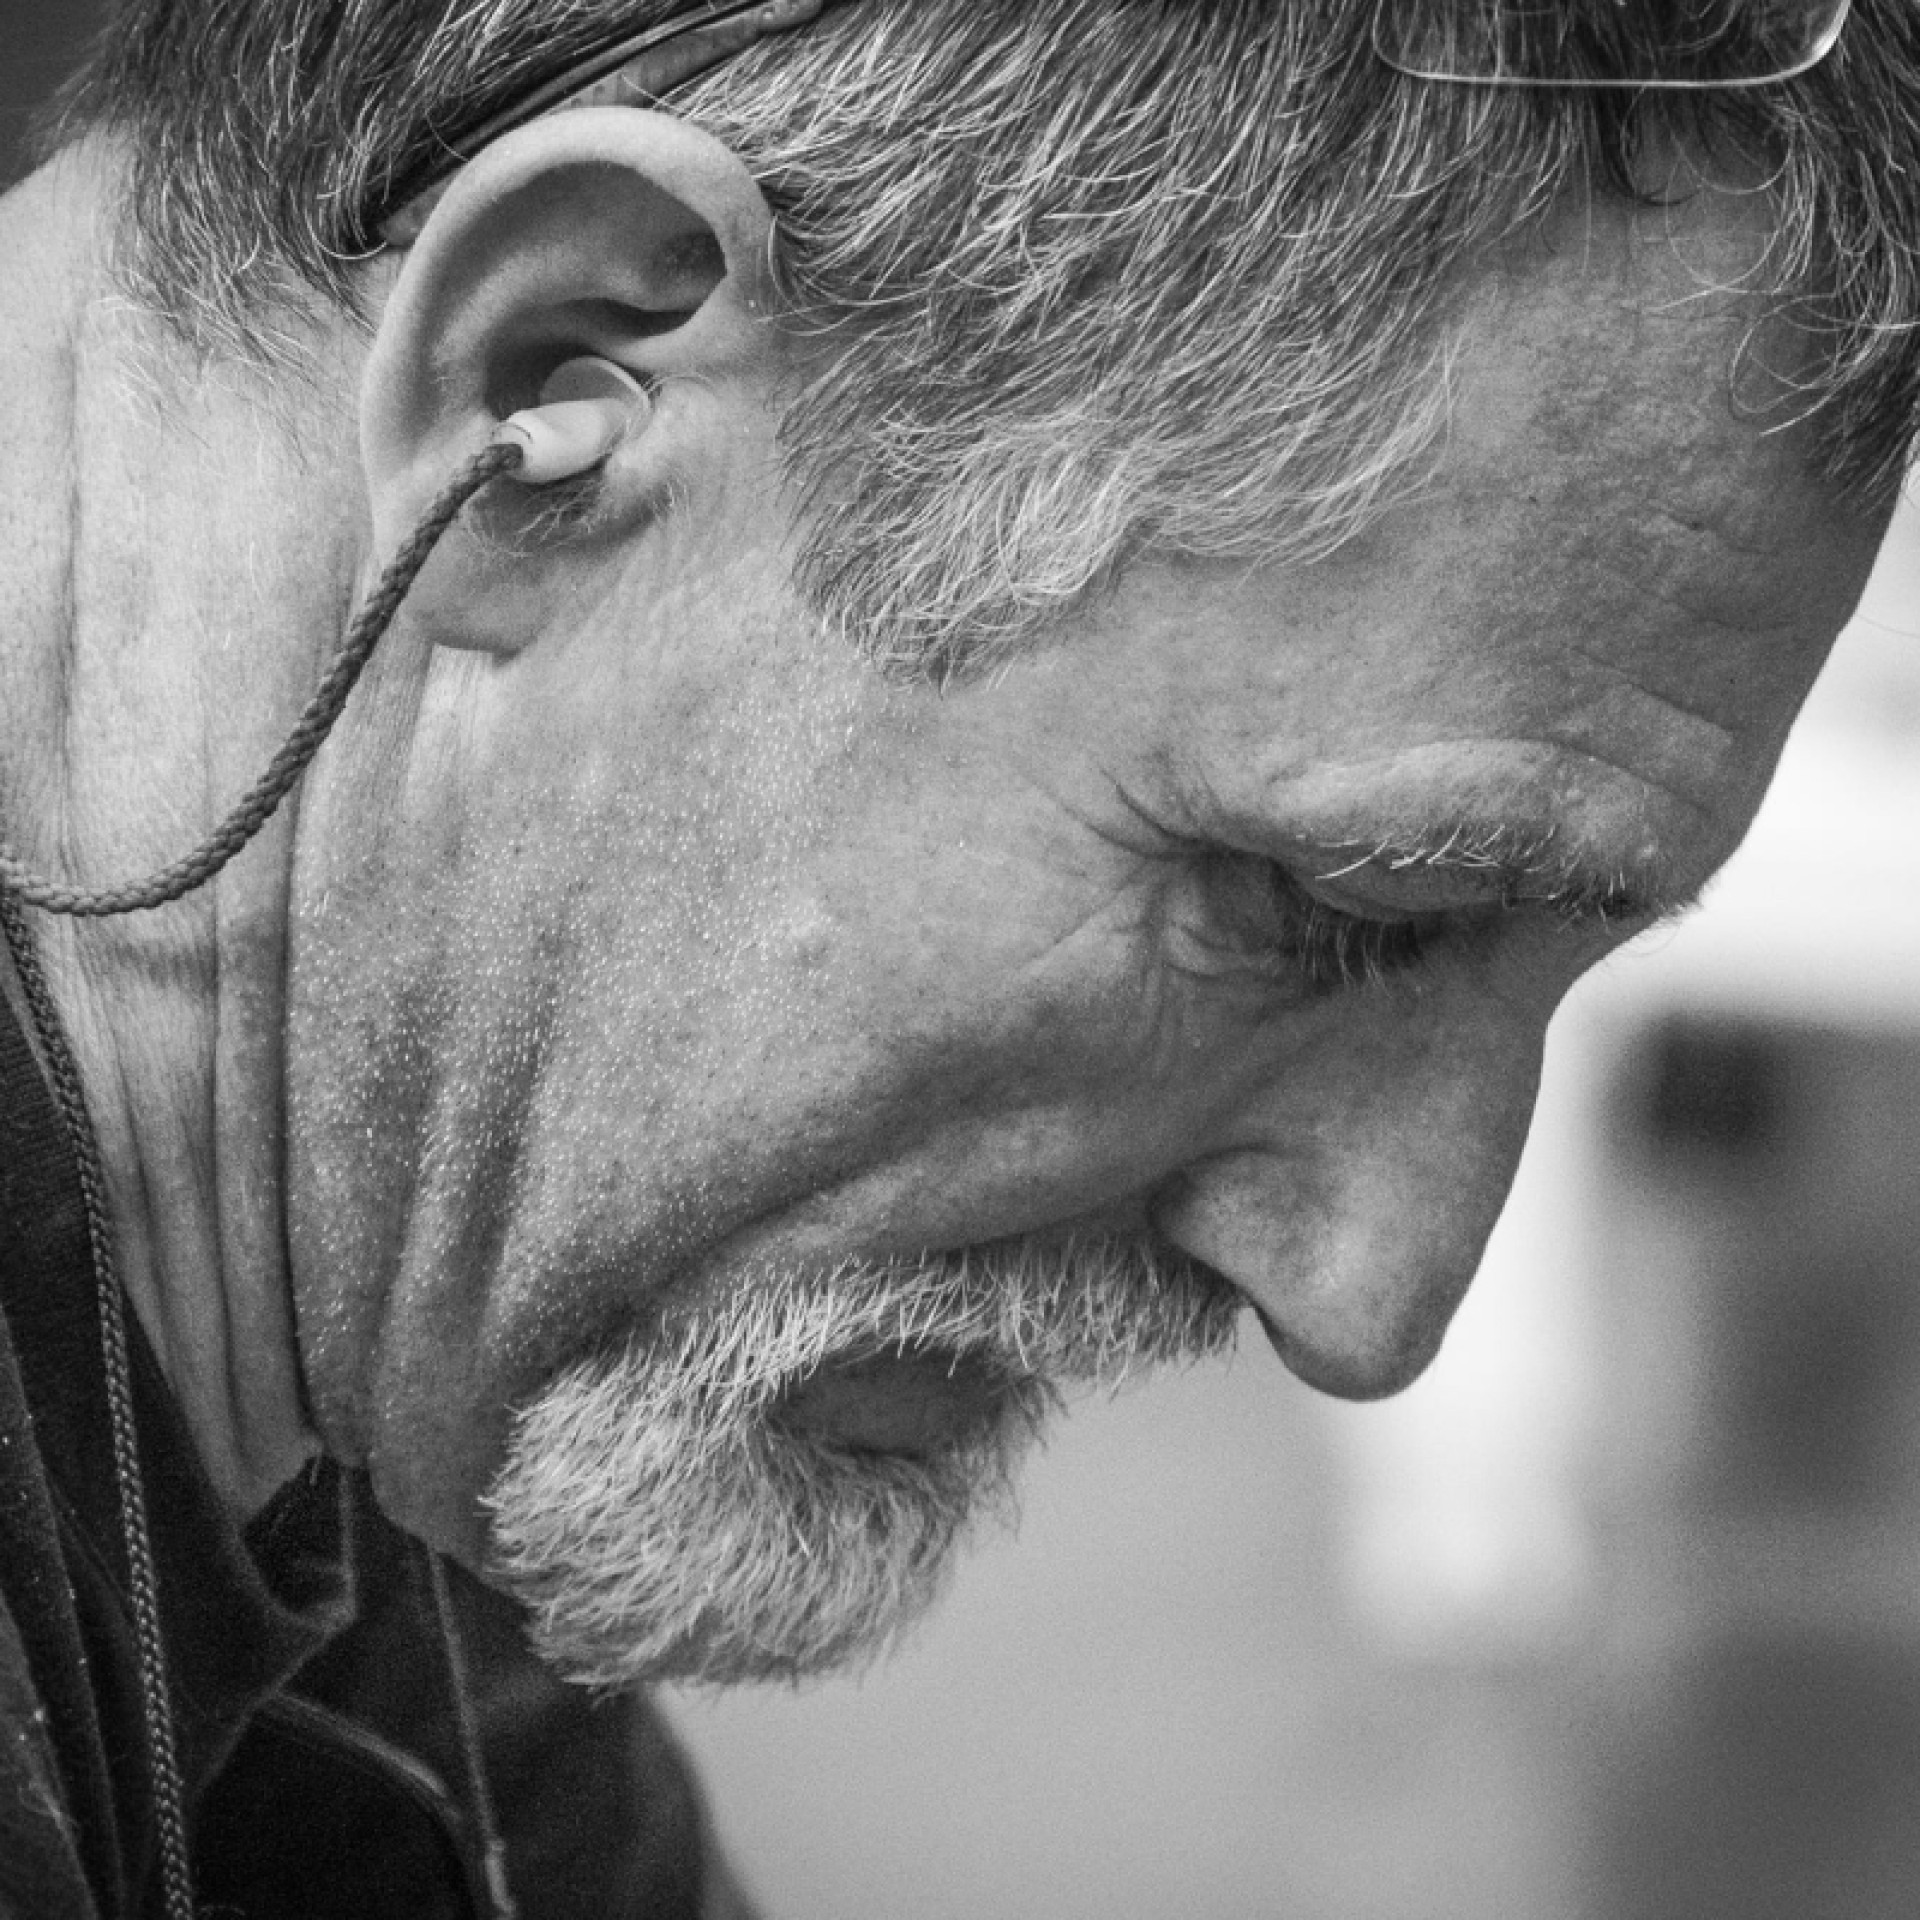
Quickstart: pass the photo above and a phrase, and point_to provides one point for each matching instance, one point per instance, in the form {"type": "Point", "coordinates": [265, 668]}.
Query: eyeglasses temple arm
{"type": "Point", "coordinates": [643, 67]}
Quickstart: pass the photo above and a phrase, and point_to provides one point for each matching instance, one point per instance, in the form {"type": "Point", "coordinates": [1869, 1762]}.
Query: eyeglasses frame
{"type": "Point", "coordinates": [1828, 40]}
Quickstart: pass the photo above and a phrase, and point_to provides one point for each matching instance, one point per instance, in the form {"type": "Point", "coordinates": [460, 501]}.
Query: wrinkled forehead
{"type": "Point", "coordinates": [1686, 265]}
{"type": "Point", "coordinates": [1640, 352]}
{"type": "Point", "coordinates": [1627, 479]}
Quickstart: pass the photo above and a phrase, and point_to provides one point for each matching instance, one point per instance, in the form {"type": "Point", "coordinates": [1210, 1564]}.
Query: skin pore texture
{"type": "Point", "coordinates": [636, 951]}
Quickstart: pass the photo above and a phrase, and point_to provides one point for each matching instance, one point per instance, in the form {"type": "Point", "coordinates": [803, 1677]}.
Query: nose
{"type": "Point", "coordinates": [1353, 1209]}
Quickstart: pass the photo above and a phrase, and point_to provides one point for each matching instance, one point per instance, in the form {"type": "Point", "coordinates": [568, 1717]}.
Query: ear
{"type": "Point", "coordinates": [609, 231]}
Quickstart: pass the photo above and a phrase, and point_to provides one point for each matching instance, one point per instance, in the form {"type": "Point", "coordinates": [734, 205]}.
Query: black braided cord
{"type": "Point", "coordinates": [258, 805]}
{"type": "Point", "coordinates": [19, 885]}
{"type": "Point", "coordinates": [169, 1792]}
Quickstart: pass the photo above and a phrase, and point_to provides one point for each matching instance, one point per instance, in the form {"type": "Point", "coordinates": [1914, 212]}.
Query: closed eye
{"type": "Point", "coordinates": [1300, 939]}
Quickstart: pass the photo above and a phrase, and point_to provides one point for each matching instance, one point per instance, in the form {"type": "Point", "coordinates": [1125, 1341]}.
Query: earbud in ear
{"type": "Point", "coordinates": [587, 406]}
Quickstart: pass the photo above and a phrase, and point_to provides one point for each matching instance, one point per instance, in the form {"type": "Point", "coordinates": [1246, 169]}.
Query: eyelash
{"type": "Point", "coordinates": [1302, 939]}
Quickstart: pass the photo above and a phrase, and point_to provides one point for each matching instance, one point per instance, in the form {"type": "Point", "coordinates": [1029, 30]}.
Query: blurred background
{"type": "Point", "coordinates": [1614, 1616]}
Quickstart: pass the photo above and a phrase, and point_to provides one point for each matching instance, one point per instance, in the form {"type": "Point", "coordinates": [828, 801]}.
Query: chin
{"type": "Point", "coordinates": [646, 1549]}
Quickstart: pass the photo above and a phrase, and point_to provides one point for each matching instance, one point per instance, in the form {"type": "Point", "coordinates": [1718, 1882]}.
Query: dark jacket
{"type": "Point", "coordinates": [313, 1702]}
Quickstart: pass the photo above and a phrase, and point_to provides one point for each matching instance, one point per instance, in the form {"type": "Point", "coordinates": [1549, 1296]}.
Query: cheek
{"type": "Point", "coordinates": [866, 1044]}
{"type": "Point", "coordinates": [800, 1010]}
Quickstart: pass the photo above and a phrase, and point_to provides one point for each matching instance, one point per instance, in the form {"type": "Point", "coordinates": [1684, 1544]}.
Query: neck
{"type": "Point", "coordinates": [178, 548]}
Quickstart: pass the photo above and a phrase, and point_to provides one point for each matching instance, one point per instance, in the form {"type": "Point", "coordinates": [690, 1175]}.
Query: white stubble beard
{"type": "Point", "coordinates": [660, 1521]}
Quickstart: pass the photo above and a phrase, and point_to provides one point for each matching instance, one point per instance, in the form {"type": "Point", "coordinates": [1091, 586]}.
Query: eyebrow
{"type": "Point", "coordinates": [1520, 865]}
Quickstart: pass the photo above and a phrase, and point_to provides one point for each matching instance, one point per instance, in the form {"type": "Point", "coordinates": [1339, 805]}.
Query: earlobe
{"type": "Point", "coordinates": [607, 239]}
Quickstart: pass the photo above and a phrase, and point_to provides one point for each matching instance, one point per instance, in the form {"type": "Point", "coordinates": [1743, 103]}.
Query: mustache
{"type": "Point", "coordinates": [1078, 1310]}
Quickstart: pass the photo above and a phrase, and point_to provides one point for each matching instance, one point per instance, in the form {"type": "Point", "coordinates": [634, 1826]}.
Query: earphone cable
{"type": "Point", "coordinates": [486, 1819]}
{"type": "Point", "coordinates": [143, 1592]}
{"type": "Point", "coordinates": [257, 806]}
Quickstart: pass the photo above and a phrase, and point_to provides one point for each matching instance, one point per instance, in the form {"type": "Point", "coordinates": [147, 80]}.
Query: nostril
{"type": "Point", "coordinates": [1178, 1257]}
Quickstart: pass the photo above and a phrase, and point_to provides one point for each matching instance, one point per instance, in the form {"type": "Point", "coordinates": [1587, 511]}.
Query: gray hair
{"type": "Point", "coordinates": [1099, 278]}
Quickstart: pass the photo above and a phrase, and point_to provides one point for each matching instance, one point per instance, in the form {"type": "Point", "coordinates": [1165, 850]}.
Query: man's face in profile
{"type": "Point", "coordinates": [768, 1079]}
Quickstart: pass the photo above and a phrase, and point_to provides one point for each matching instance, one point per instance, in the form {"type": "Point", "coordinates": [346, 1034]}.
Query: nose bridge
{"type": "Point", "coordinates": [1355, 1216]}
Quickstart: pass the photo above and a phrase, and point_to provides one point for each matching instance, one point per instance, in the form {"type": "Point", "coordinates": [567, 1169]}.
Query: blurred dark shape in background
{"type": "Point", "coordinates": [39, 43]}
{"type": "Point", "coordinates": [1757, 1740]}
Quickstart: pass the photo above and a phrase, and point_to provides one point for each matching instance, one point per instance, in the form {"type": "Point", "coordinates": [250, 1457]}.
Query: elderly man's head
{"type": "Point", "coordinates": [1341, 552]}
